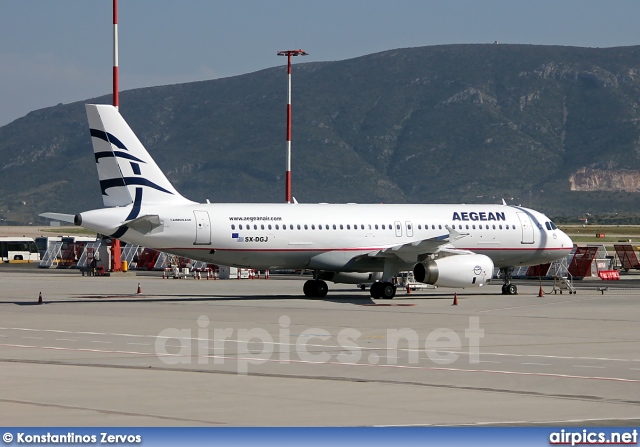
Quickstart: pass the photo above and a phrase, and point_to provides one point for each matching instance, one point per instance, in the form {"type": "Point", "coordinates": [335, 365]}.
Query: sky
{"type": "Point", "coordinates": [60, 51]}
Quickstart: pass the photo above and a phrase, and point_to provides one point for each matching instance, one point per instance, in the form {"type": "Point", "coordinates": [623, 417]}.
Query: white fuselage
{"type": "Point", "coordinates": [332, 237]}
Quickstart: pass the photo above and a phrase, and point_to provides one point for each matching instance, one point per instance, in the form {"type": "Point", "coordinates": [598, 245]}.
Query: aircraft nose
{"type": "Point", "coordinates": [564, 240]}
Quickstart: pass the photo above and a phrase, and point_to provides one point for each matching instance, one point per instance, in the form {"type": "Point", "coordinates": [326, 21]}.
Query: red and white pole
{"type": "Point", "coordinates": [288, 172]}
{"type": "Point", "coordinates": [115, 54]}
{"type": "Point", "coordinates": [289, 53]}
{"type": "Point", "coordinates": [116, 262]}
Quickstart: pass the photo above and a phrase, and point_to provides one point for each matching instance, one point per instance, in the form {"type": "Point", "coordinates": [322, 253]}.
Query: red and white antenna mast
{"type": "Point", "coordinates": [115, 54]}
{"type": "Point", "coordinates": [116, 264]}
{"type": "Point", "coordinates": [289, 53]}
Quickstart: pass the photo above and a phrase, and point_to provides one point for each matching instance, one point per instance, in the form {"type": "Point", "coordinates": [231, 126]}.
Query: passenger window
{"type": "Point", "coordinates": [473, 227]}
{"type": "Point", "coordinates": [334, 227]}
{"type": "Point", "coordinates": [348, 227]}
{"type": "Point", "coordinates": [383, 226]}
{"type": "Point", "coordinates": [500, 226]}
{"type": "Point", "coordinates": [326, 227]}
{"type": "Point", "coordinates": [494, 227]}
{"type": "Point", "coordinates": [277, 227]}
{"type": "Point", "coordinates": [419, 227]}
{"type": "Point", "coordinates": [467, 227]}
{"type": "Point", "coordinates": [376, 226]}
{"type": "Point", "coordinates": [439, 227]}
{"type": "Point", "coordinates": [362, 226]}
{"type": "Point", "coordinates": [306, 227]}
{"type": "Point", "coordinates": [269, 227]}
{"type": "Point", "coordinates": [291, 227]}
{"type": "Point", "coordinates": [233, 227]}
{"type": "Point", "coordinates": [262, 227]}
{"type": "Point", "coordinates": [298, 226]}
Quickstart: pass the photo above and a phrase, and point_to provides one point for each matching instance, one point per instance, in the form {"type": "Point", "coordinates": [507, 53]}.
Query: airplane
{"type": "Point", "coordinates": [444, 244]}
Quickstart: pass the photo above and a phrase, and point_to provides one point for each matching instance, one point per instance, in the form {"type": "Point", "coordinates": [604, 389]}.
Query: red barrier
{"type": "Point", "coordinates": [609, 275]}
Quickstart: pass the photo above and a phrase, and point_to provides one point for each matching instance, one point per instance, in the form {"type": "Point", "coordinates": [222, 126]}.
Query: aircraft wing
{"type": "Point", "coordinates": [409, 252]}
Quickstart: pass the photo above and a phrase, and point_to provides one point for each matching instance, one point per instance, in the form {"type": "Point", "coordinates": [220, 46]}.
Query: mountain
{"type": "Point", "coordinates": [554, 128]}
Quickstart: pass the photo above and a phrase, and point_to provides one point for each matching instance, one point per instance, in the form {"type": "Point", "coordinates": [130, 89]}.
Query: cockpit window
{"type": "Point", "coordinates": [548, 225]}
{"type": "Point", "coordinates": [553, 226]}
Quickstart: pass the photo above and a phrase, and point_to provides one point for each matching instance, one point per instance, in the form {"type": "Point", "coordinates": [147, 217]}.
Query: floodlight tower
{"type": "Point", "coordinates": [289, 54]}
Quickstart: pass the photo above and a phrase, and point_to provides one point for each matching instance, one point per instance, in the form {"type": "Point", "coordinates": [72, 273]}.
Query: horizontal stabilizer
{"type": "Point", "coordinates": [145, 224]}
{"type": "Point", "coordinates": [59, 216]}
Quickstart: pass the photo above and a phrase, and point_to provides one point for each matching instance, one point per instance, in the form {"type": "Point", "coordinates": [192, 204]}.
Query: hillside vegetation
{"type": "Point", "coordinates": [554, 128]}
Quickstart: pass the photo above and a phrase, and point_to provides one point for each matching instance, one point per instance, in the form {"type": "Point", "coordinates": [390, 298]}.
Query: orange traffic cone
{"type": "Point", "coordinates": [455, 299]}
{"type": "Point", "coordinates": [139, 289]}
{"type": "Point", "coordinates": [540, 292]}
{"type": "Point", "coordinates": [40, 298]}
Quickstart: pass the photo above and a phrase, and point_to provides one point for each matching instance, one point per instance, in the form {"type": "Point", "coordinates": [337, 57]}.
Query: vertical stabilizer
{"type": "Point", "coordinates": [127, 173]}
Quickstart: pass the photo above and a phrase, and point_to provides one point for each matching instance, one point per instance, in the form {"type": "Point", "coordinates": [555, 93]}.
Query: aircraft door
{"type": "Point", "coordinates": [409, 229]}
{"type": "Point", "coordinates": [527, 228]}
{"type": "Point", "coordinates": [203, 228]}
{"type": "Point", "coordinates": [398, 226]}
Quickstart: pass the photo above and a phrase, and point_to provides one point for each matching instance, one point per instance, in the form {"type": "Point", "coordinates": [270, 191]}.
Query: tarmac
{"type": "Point", "coordinates": [258, 353]}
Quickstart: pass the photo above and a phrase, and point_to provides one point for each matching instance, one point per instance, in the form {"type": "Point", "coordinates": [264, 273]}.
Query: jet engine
{"type": "Point", "coordinates": [467, 270]}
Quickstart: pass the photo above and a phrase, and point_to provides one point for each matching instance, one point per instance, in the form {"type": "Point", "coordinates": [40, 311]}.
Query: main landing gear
{"type": "Point", "coordinates": [384, 290]}
{"type": "Point", "coordinates": [508, 288]}
{"type": "Point", "coordinates": [315, 288]}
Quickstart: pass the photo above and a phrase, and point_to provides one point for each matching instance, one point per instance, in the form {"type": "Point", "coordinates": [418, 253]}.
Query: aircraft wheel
{"type": "Point", "coordinates": [504, 289]}
{"type": "Point", "coordinates": [321, 289]}
{"type": "Point", "coordinates": [376, 290]}
{"type": "Point", "coordinates": [315, 288]}
{"type": "Point", "coordinates": [309, 288]}
{"type": "Point", "coordinates": [512, 289]}
{"type": "Point", "coordinates": [388, 291]}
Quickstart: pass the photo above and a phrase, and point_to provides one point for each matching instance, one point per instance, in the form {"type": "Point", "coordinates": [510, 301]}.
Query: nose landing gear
{"type": "Point", "coordinates": [508, 288]}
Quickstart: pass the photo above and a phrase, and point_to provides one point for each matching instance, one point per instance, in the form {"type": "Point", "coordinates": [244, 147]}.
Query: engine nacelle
{"type": "Point", "coordinates": [470, 270]}
{"type": "Point", "coordinates": [350, 277]}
